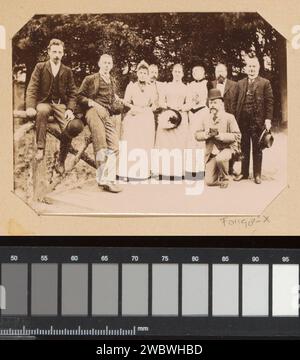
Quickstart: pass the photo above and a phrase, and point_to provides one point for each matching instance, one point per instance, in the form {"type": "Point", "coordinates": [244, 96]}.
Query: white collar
{"type": "Point", "coordinates": [55, 66]}
{"type": "Point", "coordinates": [252, 79]}
{"type": "Point", "coordinates": [104, 75]}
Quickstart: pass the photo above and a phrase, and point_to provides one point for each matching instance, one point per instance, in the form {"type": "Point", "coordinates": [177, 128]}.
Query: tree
{"type": "Point", "coordinates": [163, 38]}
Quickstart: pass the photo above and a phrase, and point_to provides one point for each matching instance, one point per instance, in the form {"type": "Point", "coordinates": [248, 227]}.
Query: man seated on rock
{"type": "Point", "coordinates": [52, 91]}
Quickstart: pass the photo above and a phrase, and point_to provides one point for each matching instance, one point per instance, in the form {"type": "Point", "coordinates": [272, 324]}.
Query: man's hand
{"type": "Point", "coordinates": [207, 134]}
{"type": "Point", "coordinates": [268, 124]}
{"type": "Point", "coordinates": [219, 137]}
{"type": "Point", "coordinates": [117, 98]}
{"type": "Point", "coordinates": [31, 112]}
{"type": "Point", "coordinates": [91, 103]}
{"type": "Point", "coordinates": [69, 115]}
{"type": "Point", "coordinates": [135, 110]}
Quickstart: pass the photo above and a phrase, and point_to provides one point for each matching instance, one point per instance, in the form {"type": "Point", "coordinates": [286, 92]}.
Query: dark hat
{"type": "Point", "coordinates": [169, 118]}
{"type": "Point", "coordinates": [266, 139]}
{"type": "Point", "coordinates": [214, 94]}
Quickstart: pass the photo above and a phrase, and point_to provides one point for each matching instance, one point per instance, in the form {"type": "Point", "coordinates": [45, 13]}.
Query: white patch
{"type": "Point", "coordinates": [2, 297]}
{"type": "Point", "coordinates": [296, 38]}
{"type": "Point", "coordinates": [2, 37]}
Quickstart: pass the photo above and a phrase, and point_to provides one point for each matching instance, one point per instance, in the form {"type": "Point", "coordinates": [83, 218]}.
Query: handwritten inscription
{"type": "Point", "coordinates": [246, 222]}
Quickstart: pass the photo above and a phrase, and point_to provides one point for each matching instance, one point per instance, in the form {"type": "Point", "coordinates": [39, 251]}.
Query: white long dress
{"type": "Point", "coordinates": [175, 96]}
{"type": "Point", "coordinates": [197, 98]}
{"type": "Point", "coordinates": [138, 130]}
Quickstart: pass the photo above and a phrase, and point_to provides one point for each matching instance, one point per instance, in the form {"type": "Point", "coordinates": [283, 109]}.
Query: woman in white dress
{"type": "Point", "coordinates": [197, 95]}
{"type": "Point", "coordinates": [174, 137]}
{"type": "Point", "coordinates": [138, 124]}
{"type": "Point", "coordinates": [197, 98]}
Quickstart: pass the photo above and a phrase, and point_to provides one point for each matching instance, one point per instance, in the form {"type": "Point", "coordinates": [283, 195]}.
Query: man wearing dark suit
{"type": "Point", "coordinates": [228, 90]}
{"type": "Point", "coordinates": [98, 99]}
{"type": "Point", "coordinates": [254, 112]}
{"type": "Point", "coordinates": [52, 91]}
{"type": "Point", "coordinates": [227, 87]}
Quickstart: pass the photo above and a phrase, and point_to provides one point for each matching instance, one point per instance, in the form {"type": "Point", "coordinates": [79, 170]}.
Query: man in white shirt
{"type": "Point", "coordinates": [52, 91]}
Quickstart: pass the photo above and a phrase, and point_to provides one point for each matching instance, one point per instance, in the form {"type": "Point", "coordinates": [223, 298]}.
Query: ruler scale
{"type": "Point", "coordinates": [128, 292]}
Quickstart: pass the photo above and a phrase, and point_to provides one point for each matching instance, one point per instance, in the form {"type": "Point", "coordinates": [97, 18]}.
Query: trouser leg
{"type": "Point", "coordinates": [97, 129]}
{"type": "Point", "coordinates": [257, 153]}
{"type": "Point", "coordinates": [222, 162]}
{"type": "Point", "coordinates": [105, 142]}
{"type": "Point", "coordinates": [112, 138]}
{"type": "Point", "coordinates": [230, 169]}
{"type": "Point", "coordinates": [245, 147]}
{"type": "Point", "coordinates": [112, 141]}
{"type": "Point", "coordinates": [65, 141]}
{"type": "Point", "coordinates": [44, 110]}
{"type": "Point", "coordinates": [211, 172]}
{"type": "Point", "coordinates": [69, 129]}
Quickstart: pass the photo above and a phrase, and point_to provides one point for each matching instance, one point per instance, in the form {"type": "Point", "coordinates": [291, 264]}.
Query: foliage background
{"type": "Point", "coordinates": [161, 38]}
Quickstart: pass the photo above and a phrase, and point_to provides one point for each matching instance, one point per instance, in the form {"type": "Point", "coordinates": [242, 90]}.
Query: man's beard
{"type": "Point", "coordinates": [252, 75]}
{"type": "Point", "coordinates": [213, 110]}
{"type": "Point", "coordinates": [221, 79]}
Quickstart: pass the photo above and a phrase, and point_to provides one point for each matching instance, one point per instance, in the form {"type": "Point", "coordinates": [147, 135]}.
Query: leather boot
{"type": "Point", "coordinates": [65, 143]}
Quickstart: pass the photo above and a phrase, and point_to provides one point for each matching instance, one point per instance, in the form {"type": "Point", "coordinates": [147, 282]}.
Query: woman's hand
{"type": "Point", "coordinates": [135, 110]}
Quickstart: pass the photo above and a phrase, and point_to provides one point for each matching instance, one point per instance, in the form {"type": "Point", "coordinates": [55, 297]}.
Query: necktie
{"type": "Point", "coordinates": [106, 78]}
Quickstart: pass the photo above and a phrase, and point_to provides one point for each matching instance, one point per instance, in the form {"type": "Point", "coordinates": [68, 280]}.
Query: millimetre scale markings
{"type": "Point", "coordinates": [79, 331]}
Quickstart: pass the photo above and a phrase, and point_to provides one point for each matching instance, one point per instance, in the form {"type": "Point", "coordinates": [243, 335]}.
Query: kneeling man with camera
{"type": "Point", "coordinates": [222, 136]}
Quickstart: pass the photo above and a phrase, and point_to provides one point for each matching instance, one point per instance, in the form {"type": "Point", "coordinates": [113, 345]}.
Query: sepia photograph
{"type": "Point", "coordinates": [149, 113]}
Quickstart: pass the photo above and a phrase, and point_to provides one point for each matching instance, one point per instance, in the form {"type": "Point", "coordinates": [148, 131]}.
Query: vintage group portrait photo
{"type": "Point", "coordinates": [149, 113]}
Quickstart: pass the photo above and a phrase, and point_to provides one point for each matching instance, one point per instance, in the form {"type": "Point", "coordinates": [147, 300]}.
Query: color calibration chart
{"type": "Point", "coordinates": [128, 292]}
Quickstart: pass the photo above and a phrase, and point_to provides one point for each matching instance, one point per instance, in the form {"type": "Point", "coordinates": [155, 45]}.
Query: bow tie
{"type": "Point", "coordinates": [199, 81]}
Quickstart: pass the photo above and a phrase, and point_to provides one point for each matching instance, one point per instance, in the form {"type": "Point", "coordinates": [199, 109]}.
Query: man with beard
{"type": "Point", "coordinates": [221, 134]}
{"type": "Point", "coordinates": [254, 112]}
{"type": "Point", "coordinates": [227, 87]}
{"type": "Point", "coordinates": [52, 91]}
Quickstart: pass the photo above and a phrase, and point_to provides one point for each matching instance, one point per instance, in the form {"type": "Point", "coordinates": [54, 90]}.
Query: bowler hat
{"type": "Point", "coordinates": [214, 94]}
{"type": "Point", "coordinates": [266, 139]}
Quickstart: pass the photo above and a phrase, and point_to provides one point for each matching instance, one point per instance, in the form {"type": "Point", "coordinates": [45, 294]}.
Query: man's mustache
{"type": "Point", "coordinates": [221, 79]}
